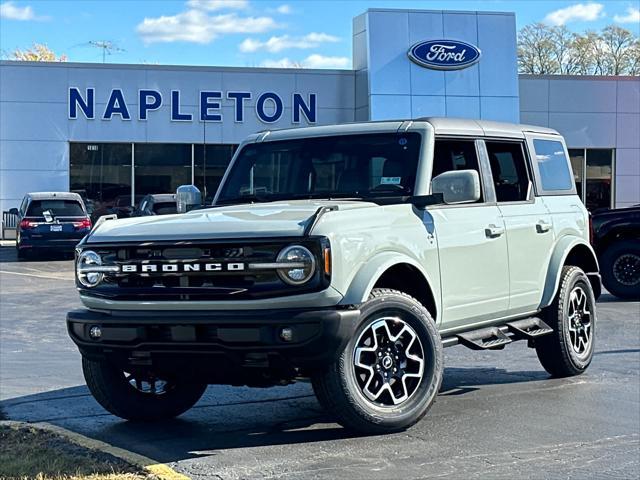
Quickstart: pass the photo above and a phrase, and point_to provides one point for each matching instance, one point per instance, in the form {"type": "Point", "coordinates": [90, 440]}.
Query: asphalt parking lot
{"type": "Point", "coordinates": [498, 415]}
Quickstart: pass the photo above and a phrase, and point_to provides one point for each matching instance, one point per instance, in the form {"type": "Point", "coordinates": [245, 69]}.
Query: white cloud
{"type": "Point", "coordinates": [284, 42]}
{"type": "Point", "coordinates": [320, 61]}
{"type": "Point", "coordinates": [312, 61]}
{"type": "Point", "coordinates": [11, 11]}
{"type": "Point", "coordinates": [632, 16]}
{"type": "Point", "coordinates": [197, 26]}
{"type": "Point", "coordinates": [213, 5]}
{"type": "Point", "coordinates": [284, 9]}
{"type": "Point", "coordinates": [586, 12]}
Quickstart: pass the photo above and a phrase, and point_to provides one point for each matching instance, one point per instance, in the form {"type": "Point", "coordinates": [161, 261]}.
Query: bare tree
{"type": "Point", "coordinates": [617, 42]}
{"type": "Point", "coordinates": [545, 49]}
{"type": "Point", "coordinates": [562, 45]}
{"type": "Point", "coordinates": [634, 58]}
{"type": "Point", "coordinates": [39, 52]}
{"type": "Point", "coordinates": [536, 50]}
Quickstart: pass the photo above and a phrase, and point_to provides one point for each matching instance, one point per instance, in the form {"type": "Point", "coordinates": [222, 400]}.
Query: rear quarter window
{"type": "Point", "coordinates": [552, 165]}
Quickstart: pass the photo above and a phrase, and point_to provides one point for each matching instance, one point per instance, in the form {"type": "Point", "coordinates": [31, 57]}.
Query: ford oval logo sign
{"type": "Point", "coordinates": [444, 54]}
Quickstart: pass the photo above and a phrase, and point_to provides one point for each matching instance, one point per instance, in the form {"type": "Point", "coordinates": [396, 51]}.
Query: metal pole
{"type": "Point", "coordinates": [133, 175]}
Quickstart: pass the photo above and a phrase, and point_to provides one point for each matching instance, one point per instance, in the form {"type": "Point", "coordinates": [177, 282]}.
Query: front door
{"type": "Point", "coordinates": [472, 246]}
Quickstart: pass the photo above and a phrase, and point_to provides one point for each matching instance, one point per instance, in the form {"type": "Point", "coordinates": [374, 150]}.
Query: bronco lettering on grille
{"type": "Point", "coordinates": [182, 267]}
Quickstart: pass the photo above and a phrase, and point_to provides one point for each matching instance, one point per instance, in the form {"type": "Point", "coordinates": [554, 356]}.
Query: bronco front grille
{"type": "Point", "coordinates": [162, 271]}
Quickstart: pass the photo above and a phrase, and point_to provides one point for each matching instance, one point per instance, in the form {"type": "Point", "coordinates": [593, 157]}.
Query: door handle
{"type": "Point", "coordinates": [492, 231]}
{"type": "Point", "coordinates": [542, 226]}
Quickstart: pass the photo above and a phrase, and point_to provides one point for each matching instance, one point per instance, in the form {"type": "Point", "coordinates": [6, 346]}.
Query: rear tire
{"type": "Point", "coordinates": [620, 268]}
{"type": "Point", "coordinates": [568, 350]}
{"type": "Point", "coordinates": [389, 373]}
{"type": "Point", "coordinates": [117, 394]}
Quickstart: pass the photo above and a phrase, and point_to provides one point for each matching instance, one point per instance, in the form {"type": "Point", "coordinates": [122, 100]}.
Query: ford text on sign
{"type": "Point", "coordinates": [444, 54]}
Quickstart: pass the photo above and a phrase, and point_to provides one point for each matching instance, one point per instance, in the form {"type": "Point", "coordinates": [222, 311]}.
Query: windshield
{"type": "Point", "coordinates": [358, 166]}
{"type": "Point", "coordinates": [58, 208]}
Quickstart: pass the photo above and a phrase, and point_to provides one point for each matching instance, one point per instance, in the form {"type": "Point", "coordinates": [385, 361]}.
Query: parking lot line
{"type": "Point", "coordinates": [49, 277]}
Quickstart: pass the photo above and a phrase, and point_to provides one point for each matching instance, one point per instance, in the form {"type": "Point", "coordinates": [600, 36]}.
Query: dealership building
{"type": "Point", "coordinates": [117, 132]}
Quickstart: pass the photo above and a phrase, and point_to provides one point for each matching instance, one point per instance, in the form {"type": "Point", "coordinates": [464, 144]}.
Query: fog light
{"type": "Point", "coordinates": [286, 334]}
{"type": "Point", "coordinates": [95, 332]}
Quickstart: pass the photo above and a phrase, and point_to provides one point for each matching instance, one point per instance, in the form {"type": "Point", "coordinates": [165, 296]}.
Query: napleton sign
{"type": "Point", "coordinates": [269, 106]}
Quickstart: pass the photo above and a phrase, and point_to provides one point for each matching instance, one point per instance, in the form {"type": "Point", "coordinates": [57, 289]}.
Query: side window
{"type": "Point", "coordinates": [455, 155]}
{"type": "Point", "coordinates": [552, 165]}
{"type": "Point", "coordinates": [509, 171]}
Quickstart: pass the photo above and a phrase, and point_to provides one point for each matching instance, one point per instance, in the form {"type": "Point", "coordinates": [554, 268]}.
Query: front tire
{"type": "Point", "coordinates": [572, 315]}
{"type": "Point", "coordinates": [389, 373]}
{"type": "Point", "coordinates": [620, 264]}
{"type": "Point", "coordinates": [139, 397]}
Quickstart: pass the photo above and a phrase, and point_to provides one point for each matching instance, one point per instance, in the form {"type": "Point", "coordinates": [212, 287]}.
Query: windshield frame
{"type": "Point", "coordinates": [400, 196]}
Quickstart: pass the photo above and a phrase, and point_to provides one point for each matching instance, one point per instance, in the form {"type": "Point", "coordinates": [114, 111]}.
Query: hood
{"type": "Point", "coordinates": [263, 220]}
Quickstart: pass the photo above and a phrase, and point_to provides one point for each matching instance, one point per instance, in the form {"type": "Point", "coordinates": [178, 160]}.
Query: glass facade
{"type": "Point", "coordinates": [102, 172]}
{"type": "Point", "coordinates": [593, 172]}
{"type": "Point", "coordinates": [209, 165]}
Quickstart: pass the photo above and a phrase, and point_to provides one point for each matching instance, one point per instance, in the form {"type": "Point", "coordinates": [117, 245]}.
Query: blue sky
{"type": "Point", "coordinates": [243, 33]}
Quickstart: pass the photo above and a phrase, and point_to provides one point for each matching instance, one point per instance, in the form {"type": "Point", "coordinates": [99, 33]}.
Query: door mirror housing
{"type": "Point", "coordinates": [188, 197]}
{"type": "Point", "coordinates": [14, 211]}
{"type": "Point", "coordinates": [457, 186]}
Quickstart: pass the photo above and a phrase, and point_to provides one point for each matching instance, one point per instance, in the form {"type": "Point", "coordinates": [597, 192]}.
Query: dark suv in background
{"type": "Point", "coordinates": [51, 222]}
{"type": "Point", "coordinates": [616, 240]}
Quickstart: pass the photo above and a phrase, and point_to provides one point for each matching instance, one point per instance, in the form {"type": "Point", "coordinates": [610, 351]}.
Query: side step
{"type": "Point", "coordinates": [496, 337]}
{"type": "Point", "coordinates": [529, 328]}
{"type": "Point", "coordinates": [490, 338]}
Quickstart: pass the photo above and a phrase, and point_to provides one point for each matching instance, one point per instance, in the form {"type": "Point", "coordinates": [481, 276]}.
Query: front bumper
{"type": "Point", "coordinates": [247, 338]}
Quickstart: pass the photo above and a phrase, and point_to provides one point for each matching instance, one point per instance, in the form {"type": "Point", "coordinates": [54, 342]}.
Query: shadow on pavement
{"type": "Point", "coordinates": [9, 255]}
{"type": "Point", "coordinates": [226, 417]}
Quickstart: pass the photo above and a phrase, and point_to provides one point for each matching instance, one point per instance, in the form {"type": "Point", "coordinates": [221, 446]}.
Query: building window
{"type": "Point", "coordinates": [161, 167]}
{"type": "Point", "coordinates": [593, 172]}
{"type": "Point", "coordinates": [101, 174]}
{"type": "Point", "coordinates": [209, 165]}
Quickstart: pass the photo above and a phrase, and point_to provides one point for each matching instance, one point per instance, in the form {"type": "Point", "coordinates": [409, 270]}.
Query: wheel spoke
{"type": "Point", "coordinates": [382, 357]}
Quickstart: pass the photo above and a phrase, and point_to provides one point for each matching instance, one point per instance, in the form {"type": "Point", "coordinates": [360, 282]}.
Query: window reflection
{"type": "Point", "coordinates": [599, 178]}
{"type": "Point", "coordinates": [161, 168]}
{"type": "Point", "coordinates": [215, 158]}
{"type": "Point", "coordinates": [593, 172]}
{"type": "Point", "coordinates": [101, 174]}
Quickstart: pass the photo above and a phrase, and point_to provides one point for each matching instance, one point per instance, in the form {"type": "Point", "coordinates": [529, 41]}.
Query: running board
{"type": "Point", "coordinates": [529, 328]}
{"type": "Point", "coordinates": [497, 336]}
{"type": "Point", "coordinates": [490, 338]}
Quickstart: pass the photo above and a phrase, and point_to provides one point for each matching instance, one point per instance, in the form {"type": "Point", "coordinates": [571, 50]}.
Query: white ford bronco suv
{"type": "Point", "coordinates": [350, 255]}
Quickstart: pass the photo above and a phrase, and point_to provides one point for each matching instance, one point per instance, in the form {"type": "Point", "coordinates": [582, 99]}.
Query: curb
{"type": "Point", "coordinates": [160, 470]}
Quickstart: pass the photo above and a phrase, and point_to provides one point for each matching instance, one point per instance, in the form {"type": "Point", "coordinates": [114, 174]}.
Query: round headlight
{"type": "Point", "coordinates": [303, 265]}
{"type": "Point", "coordinates": [87, 259]}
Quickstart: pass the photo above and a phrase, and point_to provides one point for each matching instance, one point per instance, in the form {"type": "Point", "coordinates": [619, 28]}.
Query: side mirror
{"type": "Point", "coordinates": [457, 186]}
{"type": "Point", "coordinates": [14, 211]}
{"type": "Point", "coordinates": [188, 197]}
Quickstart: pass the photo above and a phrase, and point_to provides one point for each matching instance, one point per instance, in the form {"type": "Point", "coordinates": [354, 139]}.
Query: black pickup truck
{"type": "Point", "coordinates": [616, 240]}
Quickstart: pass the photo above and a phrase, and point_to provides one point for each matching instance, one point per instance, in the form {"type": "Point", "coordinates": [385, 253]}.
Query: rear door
{"type": "Point", "coordinates": [528, 222]}
{"type": "Point", "coordinates": [472, 244]}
